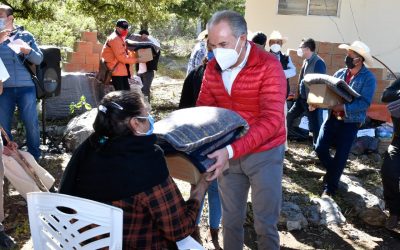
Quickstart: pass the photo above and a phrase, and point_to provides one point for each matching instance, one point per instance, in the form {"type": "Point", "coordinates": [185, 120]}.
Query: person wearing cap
{"type": "Point", "coordinates": [344, 120]}
{"type": "Point", "coordinates": [260, 39]}
{"type": "Point", "coordinates": [116, 56]}
{"type": "Point", "coordinates": [146, 70]}
{"type": "Point", "coordinates": [198, 53]}
{"type": "Point", "coordinates": [312, 64]}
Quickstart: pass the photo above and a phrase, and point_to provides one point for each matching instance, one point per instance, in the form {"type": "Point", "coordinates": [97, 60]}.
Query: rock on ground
{"type": "Point", "coordinates": [79, 129]}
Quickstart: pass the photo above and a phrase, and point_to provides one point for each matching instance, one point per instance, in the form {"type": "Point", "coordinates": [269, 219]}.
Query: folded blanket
{"type": "Point", "coordinates": [199, 131]}
{"type": "Point", "coordinates": [394, 108]}
{"type": "Point", "coordinates": [338, 86]}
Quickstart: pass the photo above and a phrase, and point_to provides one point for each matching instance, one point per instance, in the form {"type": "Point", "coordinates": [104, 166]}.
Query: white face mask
{"type": "Point", "coordinates": [227, 57]}
{"type": "Point", "coordinates": [300, 52]}
{"type": "Point", "coordinates": [275, 48]}
{"type": "Point", "coordinates": [3, 22]}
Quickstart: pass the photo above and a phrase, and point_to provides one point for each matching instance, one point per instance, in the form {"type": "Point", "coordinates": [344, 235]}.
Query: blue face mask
{"type": "Point", "coordinates": [151, 122]}
{"type": "Point", "coordinates": [3, 22]}
{"type": "Point", "coordinates": [210, 55]}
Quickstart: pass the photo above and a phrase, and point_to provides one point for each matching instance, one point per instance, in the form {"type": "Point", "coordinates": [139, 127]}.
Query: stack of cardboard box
{"type": "Point", "coordinates": [86, 54]}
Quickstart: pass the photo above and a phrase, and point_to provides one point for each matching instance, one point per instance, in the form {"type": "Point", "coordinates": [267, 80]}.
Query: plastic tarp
{"type": "Point", "coordinates": [73, 86]}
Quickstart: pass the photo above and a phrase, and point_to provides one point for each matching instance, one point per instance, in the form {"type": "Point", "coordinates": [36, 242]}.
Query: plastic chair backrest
{"type": "Point", "coordinates": [59, 221]}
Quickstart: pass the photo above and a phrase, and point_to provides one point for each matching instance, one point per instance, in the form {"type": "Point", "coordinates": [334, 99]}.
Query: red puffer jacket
{"type": "Point", "coordinates": [258, 95]}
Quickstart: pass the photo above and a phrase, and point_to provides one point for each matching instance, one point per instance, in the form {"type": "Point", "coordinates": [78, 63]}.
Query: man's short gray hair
{"type": "Point", "coordinates": [235, 20]}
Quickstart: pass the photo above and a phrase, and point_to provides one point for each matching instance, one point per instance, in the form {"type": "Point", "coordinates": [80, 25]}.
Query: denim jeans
{"type": "Point", "coordinates": [335, 132]}
{"type": "Point", "coordinates": [314, 117]}
{"type": "Point", "coordinates": [25, 99]}
{"type": "Point", "coordinates": [214, 206]}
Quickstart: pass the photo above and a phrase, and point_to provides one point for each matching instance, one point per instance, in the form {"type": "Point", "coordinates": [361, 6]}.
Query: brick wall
{"type": "Point", "coordinates": [334, 60]}
{"type": "Point", "coordinates": [86, 54]}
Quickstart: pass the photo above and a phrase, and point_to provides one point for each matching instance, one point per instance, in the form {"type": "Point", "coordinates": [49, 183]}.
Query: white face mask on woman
{"type": "Point", "coordinates": [275, 48]}
{"type": "Point", "coordinates": [227, 57]}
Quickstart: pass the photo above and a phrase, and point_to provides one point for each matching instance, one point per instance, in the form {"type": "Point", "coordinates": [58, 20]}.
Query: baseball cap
{"type": "Point", "coordinates": [122, 23]}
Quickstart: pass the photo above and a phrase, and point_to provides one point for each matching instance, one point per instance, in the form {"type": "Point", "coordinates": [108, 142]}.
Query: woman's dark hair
{"type": "Point", "coordinates": [114, 113]}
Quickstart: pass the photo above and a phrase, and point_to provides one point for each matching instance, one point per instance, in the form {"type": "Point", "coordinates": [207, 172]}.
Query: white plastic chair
{"type": "Point", "coordinates": [59, 221]}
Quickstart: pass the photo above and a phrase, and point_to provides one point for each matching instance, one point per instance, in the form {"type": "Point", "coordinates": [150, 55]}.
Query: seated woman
{"type": "Point", "coordinates": [119, 164]}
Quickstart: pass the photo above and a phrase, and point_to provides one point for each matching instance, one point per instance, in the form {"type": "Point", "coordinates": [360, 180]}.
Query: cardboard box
{"type": "Point", "coordinates": [144, 55]}
{"type": "Point", "coordinates": [321, 96]}
{"type": "Point", "coordinates": [181, 168]}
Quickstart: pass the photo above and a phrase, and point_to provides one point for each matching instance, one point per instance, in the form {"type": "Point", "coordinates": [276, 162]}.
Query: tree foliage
{"type": "Point", "coordinates": [139, 13]}
{"type": "Point", "coordinates": [203, 10]}
{"type": "Point", "coordinates": [33, 9]}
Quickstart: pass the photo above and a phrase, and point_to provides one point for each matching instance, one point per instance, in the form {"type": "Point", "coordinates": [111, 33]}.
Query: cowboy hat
{"type": "Point", "coordinates": [361, 49]}
{"type": "Point", "coordinates": [202, 35]}
{"type": "Point", "coordinates": [276, 35]}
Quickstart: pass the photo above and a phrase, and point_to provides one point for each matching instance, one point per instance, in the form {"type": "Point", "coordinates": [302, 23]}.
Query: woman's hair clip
{"type": "Point", "coordinates": [103, 109]}
{"type": "Point", "coordinates": [103, 139]}
{"type": "Point", "coordinates": [116, 105]}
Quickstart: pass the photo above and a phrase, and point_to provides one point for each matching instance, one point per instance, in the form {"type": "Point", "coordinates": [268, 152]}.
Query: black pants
{"type": "Point", "coordinates": [390, 177]}
{"type": "Point", "coordinates": [147, 79]}
{"type": "Point", "coordinates": [315, 119]}
{"type": "Point", "coordinates": [120, 82]}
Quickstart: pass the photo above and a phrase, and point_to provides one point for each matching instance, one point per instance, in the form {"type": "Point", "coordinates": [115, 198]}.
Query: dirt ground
{"type": "Point", "coordinates": [301, 177]}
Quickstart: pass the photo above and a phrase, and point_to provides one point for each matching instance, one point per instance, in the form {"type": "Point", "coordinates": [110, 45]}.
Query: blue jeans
{"type": "Point", "coordinates": [335, 132]}
{"type": "Point", "coordinates": [214, 206]}
{"type": "Point", "coordinates": [25, 99]}
{"type": "Point", "coordinates": [315, 118]}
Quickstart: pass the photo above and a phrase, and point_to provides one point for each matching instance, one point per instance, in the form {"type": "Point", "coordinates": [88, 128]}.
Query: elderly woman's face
{"type": "Point", "coordinates": [142, 124]}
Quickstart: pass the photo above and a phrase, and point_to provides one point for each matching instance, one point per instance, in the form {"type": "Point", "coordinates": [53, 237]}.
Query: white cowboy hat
{"type": "Point", "coordinates": [276, 35]}
{"type": "Point", "coordinates": [202, 35]}
{"type": "Point", "coordinates": [361, 49]}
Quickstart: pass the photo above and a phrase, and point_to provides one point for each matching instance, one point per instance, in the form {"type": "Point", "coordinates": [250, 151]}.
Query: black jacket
{"type": "Point", "coordinates": [121, 168]}
{"type": "Point", "coordinates": [390, 94]}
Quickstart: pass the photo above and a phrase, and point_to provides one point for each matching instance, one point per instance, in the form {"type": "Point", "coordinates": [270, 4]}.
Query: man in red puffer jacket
{"type": "Point", "coordinates": [245, 79]}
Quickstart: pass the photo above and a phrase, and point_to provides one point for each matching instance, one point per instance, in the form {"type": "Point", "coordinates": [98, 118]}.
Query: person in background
{"type": "Point", "coordinates": [251, 82]}
{"type": "Point", "coordinates": [146, 70]}
{"type": "Point", "coordinates": [190, 92]}
{"type": "Point", "coordinates": [391, 163]}
{"type": "Point", "coordinates": [275, 44]}
{"type": "Point", "coordinates": [198, 53]}
{"type": "Point", "coordinates": [116, 56]}
{"type": "Point", "coordinates": [260, 39]}
{"type": "Point", "coordinates": [340, 129]}
{"type": "Point", "coordinates": [312, 64]}
{"type": "Point", "coordinates": [120, 164]}
{"type": "Point", "coordinates": [19, 90]}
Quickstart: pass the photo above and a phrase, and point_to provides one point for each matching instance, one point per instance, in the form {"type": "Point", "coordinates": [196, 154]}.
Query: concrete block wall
{"type": "Point", "coordinates": [86, 54]}
{"type": "Point", "coordinates": [334, 60]}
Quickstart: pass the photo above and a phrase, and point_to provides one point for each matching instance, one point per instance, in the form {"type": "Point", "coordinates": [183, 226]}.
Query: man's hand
{"type": "Point", "coordinates": [26, 49]}
{"type": "Point", "coordinates": [4, 33]}
{"type": "Point", "coordinates": [221, 156]}
{"type": "Point", "coordinates": [312, 107]}
{"type": "Point", "coordinates": [338, 107]}
{"type": "Point", "coordinates": [10, 149]}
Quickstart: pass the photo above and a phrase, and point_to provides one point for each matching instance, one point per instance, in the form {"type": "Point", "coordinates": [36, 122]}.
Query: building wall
{"type": "Point", "coordinates": [375, 20]}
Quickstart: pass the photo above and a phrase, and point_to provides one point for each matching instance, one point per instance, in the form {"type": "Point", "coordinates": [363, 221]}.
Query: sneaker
{"type": "Point", "coordinates": [327, 193]}
{"type": "Point", "coordinates": [6, 242]}
{"type": "Point", "coordinates": [392, 222]}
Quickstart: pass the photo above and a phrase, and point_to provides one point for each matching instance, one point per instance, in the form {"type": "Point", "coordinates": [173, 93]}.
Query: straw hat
{"type": "Point", "coordinates": [276, 35]}
{"type": "Point", "coordinates": [361, 49]}
{"type": "Point", "coordinates": [202, 35]}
